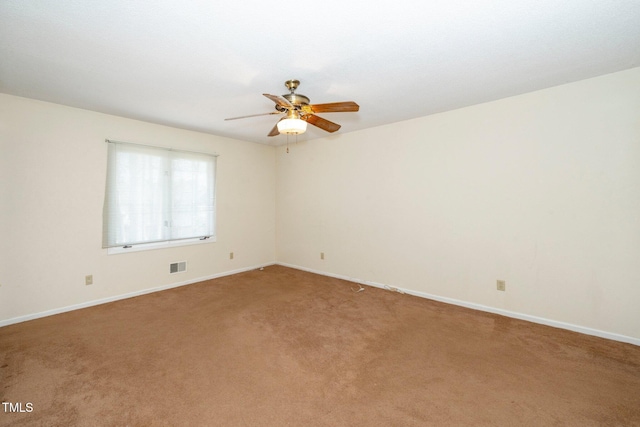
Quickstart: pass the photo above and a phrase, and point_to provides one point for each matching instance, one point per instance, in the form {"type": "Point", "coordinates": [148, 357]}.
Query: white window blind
{"type": "Point", "coordinates": [157, 195]}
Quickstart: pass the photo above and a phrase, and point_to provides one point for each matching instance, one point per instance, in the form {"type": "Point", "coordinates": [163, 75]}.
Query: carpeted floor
{"type": "Point", "coordinates": [282, 347]}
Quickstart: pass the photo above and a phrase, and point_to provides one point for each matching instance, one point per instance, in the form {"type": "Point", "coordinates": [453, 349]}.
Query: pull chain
{"type": "Point", "coordinates": [296, 141]}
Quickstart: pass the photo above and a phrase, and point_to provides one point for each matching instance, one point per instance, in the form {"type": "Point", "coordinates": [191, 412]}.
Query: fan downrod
{"type": "Point", "coordinates": [292, 85]}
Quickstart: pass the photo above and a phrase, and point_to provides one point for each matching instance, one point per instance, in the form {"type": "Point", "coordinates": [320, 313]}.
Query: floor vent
{"type": "Point", "coordinates": [178, 267]}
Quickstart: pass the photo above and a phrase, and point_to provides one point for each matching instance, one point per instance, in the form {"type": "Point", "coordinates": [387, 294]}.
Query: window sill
{"type": "Point", "coordinates": [159, 245]}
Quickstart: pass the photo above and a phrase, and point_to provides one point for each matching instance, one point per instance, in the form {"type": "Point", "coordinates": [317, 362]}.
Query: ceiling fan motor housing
{"type": "Point", "coordinates": [294, 98]}
{"type": "Point", "coordinates": [297, 99]}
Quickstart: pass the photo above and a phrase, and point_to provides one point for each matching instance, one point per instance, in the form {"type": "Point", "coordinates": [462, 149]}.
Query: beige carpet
{"type": "Point", "coordinates": [281, 347]}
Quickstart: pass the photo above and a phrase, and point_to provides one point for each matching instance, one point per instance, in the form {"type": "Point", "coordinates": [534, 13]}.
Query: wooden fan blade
{"type": "Point", "coordinates": [275, 130]}
{"type": "Point", "coordinates": [279, 100]}
{"type": "Point", "coordinates": [254, 115]}
{"type": "Point", "coordinates": [323, 124]}
{"type": "Point", "coordinates": [335, 107]}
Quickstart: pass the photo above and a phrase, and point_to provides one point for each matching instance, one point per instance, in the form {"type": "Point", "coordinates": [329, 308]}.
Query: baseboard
{"type": "Point", "coordinates": [87, 304]}
{"type": "Point", "coordinates": [507, 313]}
{"type": "Point", "coordinates": [474, 306]}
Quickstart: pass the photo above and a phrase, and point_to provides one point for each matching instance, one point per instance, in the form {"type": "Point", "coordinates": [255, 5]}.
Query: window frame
{"type": "Point", "coordinates": [115, 250]}
{"type": "Point", "coordinates": [161, 244]}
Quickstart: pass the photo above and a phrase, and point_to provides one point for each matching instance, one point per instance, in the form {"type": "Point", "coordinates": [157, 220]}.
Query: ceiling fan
{"type": "Point", "coordinates": [298, 111]}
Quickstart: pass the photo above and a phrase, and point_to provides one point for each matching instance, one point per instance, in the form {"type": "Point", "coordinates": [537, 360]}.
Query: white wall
{"type": "Point", "coordinates": [541, 190]}
{"type": "Point", "coordinates": [52, 179]}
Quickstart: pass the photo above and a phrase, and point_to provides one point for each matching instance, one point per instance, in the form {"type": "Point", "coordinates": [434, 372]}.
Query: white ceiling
{"type": "Point", "coordinates": [193, 63]}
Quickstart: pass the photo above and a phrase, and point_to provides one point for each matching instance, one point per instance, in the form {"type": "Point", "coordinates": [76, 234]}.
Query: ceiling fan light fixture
{"type": "Point", "coordinates": [292, 126]}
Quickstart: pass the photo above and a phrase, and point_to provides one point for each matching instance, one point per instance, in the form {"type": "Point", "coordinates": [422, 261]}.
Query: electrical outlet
{"type": "Point", "coordinates": [88, 280]}
{"type": "Point", "coordinates": [501, 285]}
{"type": "Point", "coordinates": [230, 255]}
{"type": "Point", "coordinates": [321, 255]}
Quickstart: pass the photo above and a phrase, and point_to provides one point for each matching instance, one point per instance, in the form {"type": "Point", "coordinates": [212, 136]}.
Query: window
{"type": "Point", "coordinates": [157, 195]}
